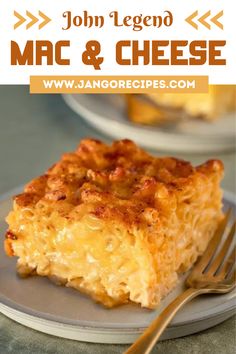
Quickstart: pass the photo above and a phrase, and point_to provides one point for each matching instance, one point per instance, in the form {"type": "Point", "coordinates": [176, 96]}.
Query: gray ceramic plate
{"type": "Point", "coordinates": [107, 113]}
{"type": "Point", "coordinates": [39, 304]}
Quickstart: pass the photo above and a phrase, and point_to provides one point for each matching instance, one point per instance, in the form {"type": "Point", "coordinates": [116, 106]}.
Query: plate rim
{"type": "Point", "coordinates": [111, 336]}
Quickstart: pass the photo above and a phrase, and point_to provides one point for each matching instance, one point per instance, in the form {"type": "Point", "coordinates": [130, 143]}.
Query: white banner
{"type": "Point", "coordinates": [57, 37]}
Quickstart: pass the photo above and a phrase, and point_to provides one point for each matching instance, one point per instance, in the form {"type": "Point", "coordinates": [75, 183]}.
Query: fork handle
{"type": "Point", "coordinates": [150, 336]}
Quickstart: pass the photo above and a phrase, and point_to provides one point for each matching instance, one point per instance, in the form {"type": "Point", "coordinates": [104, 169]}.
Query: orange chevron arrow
{"type": "Point", "coordinates": [21, 20]}
{"type": "Point", "coordinates": [190, 18]}
{"type": "Point", "coordinates": [33, 19]}
{"type": "Point", "coordinates": [215, 19]}
{"type": "Point", "coordinates": [202, 19]}
{"type": "Point", "coordinates": [46, 20]}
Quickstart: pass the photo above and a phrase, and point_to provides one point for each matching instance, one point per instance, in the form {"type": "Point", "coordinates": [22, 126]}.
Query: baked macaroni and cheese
{"type": "Point", "coordinates": [115, 222]}
{"type": "Point", "coordinates": [162, 108]}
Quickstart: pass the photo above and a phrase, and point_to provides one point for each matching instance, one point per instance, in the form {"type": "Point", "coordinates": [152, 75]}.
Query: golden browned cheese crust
{"type": "Point", "coordinates": [115, 202]}
{"type": "Point", "coordinates": [121, 179]}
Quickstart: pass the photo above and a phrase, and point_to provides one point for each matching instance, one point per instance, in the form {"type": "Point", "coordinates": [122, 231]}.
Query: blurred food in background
{"type": "Point", "coordinates": [161, 108]}
{"type": "Point", "coordinates": [175, 122]}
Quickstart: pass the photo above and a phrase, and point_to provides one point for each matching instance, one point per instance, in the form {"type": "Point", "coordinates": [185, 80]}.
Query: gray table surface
{"type": "Point", "coordinates": [34, 131]}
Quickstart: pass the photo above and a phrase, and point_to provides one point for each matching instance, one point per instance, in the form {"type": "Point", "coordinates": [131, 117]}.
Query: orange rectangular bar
{"type": "Point", "coordinates": [118, 84]}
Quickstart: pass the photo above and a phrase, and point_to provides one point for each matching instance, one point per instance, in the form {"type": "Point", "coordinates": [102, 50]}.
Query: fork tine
{"type": "Point", "coordinates": [228, 264]}
{"type": "Point", "coordinates": [221, 255]}
{"type": "Point", "coordinates": [212, 247]}
{"type": "Point", "coordinates": [233, 277]}
{"type": "Point", "coordinates": [231, 282]}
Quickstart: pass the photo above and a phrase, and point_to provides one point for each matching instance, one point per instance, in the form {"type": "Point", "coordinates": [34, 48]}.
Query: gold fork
{"type": "Point", "coordinates": [213, 273]}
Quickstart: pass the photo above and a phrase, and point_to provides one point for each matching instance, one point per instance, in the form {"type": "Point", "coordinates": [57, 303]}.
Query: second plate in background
{"type": "Point", "coordinates": [107, 113]}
